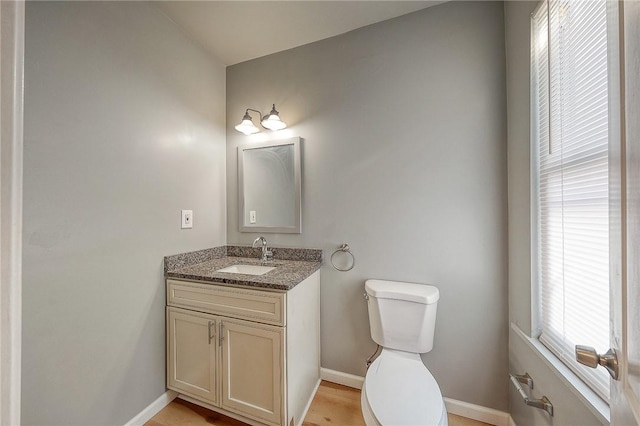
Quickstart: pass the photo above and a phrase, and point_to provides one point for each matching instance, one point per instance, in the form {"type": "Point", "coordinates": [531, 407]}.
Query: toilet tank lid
{"type": "Point", "coordinates": [420, 293]}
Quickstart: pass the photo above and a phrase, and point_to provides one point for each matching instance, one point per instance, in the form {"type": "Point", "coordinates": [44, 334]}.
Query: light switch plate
{"type": "Point", "coordinates": [187, 219]}
{"type": "Point", "coordinates": [252, 216]}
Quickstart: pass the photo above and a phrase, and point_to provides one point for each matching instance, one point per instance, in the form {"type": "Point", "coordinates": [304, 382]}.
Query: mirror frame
{"type": "Point", "coordinates": [295, 228]}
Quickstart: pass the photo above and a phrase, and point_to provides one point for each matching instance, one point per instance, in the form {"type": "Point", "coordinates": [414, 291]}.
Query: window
{"type": "Point", "coordinates": [570, 142]}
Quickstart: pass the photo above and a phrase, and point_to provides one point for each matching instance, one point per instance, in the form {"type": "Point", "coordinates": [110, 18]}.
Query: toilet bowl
{"type": "Point", "coordinates": [398, 388]}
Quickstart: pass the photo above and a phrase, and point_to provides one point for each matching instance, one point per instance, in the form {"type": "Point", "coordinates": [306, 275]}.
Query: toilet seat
{"type": "Point", "coordinates": [399, 390]}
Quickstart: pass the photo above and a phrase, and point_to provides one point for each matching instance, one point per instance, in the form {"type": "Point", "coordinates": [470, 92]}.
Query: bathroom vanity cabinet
{"type": "Point", "coordinates": [250, 353]}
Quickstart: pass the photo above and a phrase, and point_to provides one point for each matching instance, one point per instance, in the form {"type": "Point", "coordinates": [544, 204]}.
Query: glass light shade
{"type": "Point", "coordinates": [274, 123]}
{"type": "Point", "coordinates": [272, 120]}
{"type": "Point", "coordinates": [246, 126]}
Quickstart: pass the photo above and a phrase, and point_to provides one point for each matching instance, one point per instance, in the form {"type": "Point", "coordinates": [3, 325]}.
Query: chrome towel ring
{"type": "Point", "coordinates": [345, 249]}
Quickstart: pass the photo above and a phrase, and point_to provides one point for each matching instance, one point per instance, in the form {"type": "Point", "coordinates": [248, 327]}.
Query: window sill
{"type": "Point", "coordinates": [592, 401]}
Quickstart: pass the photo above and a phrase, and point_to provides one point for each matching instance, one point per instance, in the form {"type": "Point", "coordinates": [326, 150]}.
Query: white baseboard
{"type": "Point", "coordinates": [153, 409]}
{"type": "Point", "coordinates": [341, 378]}
{"type": "Point", "coordinates": [166, 398]}
{"type": "Point", "coordinates": [459, 408]}
{"type": "Point", "coordinates": [306, 409]}
{"type": "Point", "coordinates": [477, 412]}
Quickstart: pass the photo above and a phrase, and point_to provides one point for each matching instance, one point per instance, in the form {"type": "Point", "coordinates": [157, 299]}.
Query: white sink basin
{"type": "Point", "coordinates": [247, 269]}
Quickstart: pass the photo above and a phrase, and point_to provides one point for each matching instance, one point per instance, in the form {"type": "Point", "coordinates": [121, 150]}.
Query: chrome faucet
{"type": "Point", "coordinates": [267, 255]}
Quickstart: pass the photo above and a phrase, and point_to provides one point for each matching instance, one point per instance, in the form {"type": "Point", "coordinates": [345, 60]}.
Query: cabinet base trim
{"type": "Point", "coordinates": [153, 409]}
{"type": "Point", "coordinates": [306, 408]}
{"type": "Point", "coordinates": [221, 411]}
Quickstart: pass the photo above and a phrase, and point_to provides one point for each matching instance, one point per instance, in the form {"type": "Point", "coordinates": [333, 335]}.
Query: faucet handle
{"type": "Point", "coordinates": [268, 255]}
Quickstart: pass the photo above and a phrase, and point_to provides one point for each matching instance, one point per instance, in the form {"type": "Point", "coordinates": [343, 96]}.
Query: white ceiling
{"type": "Point", "coordinates": [236, 31]}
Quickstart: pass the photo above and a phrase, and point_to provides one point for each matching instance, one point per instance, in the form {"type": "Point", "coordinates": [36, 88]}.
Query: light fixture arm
{"type": "Point", "coordinates": [254, 110]}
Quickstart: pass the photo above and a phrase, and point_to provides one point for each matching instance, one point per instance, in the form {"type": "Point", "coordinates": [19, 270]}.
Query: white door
{"type": "Point", "coordinates": [11, 108]}
{"type": "Point", "coordinates": [625, 392]}
{"type": "Point", "coordinates": [624, 214]}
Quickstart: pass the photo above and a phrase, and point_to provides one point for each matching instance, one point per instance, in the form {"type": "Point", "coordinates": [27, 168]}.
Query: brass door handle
{"type": "Point", "coordinates": [588, 356]}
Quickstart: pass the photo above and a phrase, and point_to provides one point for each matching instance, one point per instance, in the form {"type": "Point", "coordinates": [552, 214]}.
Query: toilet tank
{"type": "Point", "coordinates": [402, 316]}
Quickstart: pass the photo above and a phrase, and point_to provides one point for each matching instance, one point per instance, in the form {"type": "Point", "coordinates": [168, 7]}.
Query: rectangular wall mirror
{"type": "Point", "coordinates": [270, 187]}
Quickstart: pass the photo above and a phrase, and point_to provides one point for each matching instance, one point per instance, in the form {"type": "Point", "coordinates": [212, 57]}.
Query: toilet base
{"type": "Point", "coordinates": [389, 377]}
{"type": "Point", "coordinates": [370, 420]}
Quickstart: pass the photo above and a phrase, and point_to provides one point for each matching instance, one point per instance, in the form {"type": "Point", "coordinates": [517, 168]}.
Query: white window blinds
{"type": "Point", "coordinates": [570, 124]}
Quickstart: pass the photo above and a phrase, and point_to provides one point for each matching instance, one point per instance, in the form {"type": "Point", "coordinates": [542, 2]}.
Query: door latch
{"type": "Point", "coordinates": [588, 356]}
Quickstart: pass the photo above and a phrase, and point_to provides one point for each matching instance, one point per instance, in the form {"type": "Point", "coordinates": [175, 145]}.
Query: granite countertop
{"type": "Point", "coordinates": [292, 266]}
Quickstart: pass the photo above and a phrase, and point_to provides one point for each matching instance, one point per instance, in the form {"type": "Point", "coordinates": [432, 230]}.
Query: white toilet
{"type": "Point", "coordinates": [398, 389]}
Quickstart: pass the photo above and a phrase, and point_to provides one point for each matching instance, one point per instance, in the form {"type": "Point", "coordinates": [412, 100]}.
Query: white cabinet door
{"type": "Point", "coordinates": [252, 370]}
{"type": "Point", "coordinates": [191, 354]}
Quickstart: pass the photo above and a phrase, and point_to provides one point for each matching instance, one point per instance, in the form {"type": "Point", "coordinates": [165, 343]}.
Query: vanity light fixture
{"type": "Point", "coordinates": [269, 121]}
{"type": "Point", "coordinates": [272, 120]}
{"type": "Point", "coordinates": [246, 126]}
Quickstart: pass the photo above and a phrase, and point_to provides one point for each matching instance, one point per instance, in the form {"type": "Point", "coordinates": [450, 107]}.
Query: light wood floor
{"type": "Point", "coordinates": [333, 405]}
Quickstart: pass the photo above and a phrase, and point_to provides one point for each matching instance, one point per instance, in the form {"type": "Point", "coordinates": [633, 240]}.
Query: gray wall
{"type": "Point", "coordinates": [404, 158]}
{"type": "Point", "coordinates": [568, 408]}
{"type": "Point", "coordinates": [124, 126]}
